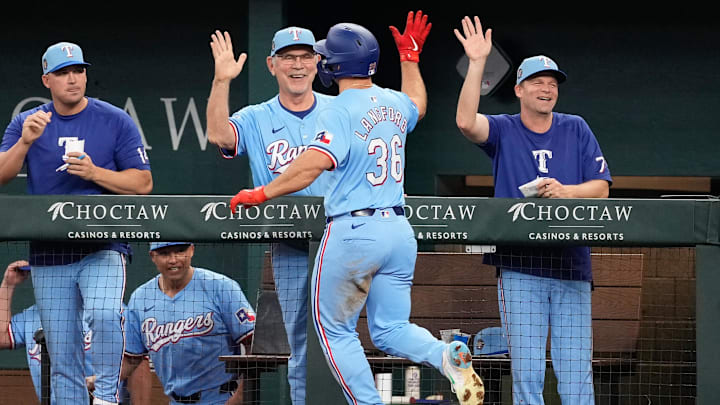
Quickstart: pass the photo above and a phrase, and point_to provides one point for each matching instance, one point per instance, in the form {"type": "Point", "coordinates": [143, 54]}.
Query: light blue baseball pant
{"type": "Point", "coordinates": [96, 286]}
{"type": "Point", "coordinates": [367, 261]}
{"type": "Point", "coordinates": [528, 306]}
{"type": "Point", "coordinates": [290, 272]}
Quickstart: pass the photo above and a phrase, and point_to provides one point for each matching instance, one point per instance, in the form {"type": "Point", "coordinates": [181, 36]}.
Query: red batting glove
{"type": "Point", "coordinates": [248, 198]}
{"type": "Point", "coordinates": [411, 41]}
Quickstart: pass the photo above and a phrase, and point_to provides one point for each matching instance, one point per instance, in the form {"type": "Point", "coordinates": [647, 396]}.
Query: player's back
{"type": "Point", "coordinates": [364, 132]}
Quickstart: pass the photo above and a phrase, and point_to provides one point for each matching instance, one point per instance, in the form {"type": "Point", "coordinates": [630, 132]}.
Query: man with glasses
{"type": "Point", "coordinates": [272, 134]}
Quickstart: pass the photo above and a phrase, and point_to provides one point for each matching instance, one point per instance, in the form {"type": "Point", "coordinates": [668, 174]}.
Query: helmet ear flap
{"type": "Point", "coordinates": [325, 74]}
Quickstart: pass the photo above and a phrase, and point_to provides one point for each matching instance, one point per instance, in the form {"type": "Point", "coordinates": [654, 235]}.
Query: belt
{"type": "Point", "coordinates": [367, 212]}
{"type": "Point", "coordinates": [229, 386]}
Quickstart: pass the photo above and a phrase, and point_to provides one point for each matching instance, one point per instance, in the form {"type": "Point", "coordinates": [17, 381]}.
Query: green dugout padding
{"type": "Point", "coordinates": [590, 222]}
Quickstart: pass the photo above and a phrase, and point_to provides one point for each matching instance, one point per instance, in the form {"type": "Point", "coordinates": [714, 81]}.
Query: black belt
{"type": "Point", "coordinates": [229, 386]}
{"type": "Point", "coordinates": [368, 212]}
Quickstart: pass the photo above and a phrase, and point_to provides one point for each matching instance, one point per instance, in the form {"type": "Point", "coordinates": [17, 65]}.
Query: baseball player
{"type": "Point", "coordinates": [77, 145]}
{"type": "Point", "coordinates": [368, 251]}
{"type": "Point", "coordinates": [272, 134]}
{"type": "Point", "coordinates": [19, 331]}
{"type": "Point", "coordinates": [184, 319]}
{"type": "Point", "coordinates": [539, 287]}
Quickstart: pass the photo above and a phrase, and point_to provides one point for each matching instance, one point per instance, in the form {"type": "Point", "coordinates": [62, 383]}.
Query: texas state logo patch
{"type": "Point", "coordinates": [324, 137]}
{"type": "Point", "coordinates": [245, 315]}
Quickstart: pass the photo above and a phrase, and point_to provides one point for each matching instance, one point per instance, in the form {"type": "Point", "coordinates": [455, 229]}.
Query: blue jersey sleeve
{"type": "Point", "coordinates": [12, 133]}
{"type": "Point", "coordinates": [133, 336]}
{"type": "Point", "coordinates": [241, 123]}
{"type": "Point", "coordinates": [17, 329]}
{"type": "Point", "coordinates": [331, 127]}
{"type": "Point", "coordinates": [595, 166]}
{"type": "Point", "coordinates": [496, 123]}
{"type": "Point", "coordinates": [130, 151]}
{"type": "Point", "coordinates": [412, 119]}
{"type": "Point", "coordinates": [237, 313]}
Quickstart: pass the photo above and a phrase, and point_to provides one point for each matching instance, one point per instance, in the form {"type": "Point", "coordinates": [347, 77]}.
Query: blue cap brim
{"type": "Point", "coordinates": [66, 64]}
{"type": "Point", "coordinates": [160, 245]}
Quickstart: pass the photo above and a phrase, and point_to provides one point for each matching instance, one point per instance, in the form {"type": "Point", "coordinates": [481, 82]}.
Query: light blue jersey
{"type": "Point", "coordinates": [363, 132]}
{"type": "Point", "coordinates": [185, 334]}
{"type": "Point", "coordinates": [22, 330]}
{"type": "Point", "coordinates": [272, 137]}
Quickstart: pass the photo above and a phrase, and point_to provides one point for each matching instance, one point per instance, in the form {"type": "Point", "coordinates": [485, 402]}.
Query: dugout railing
{"type": "Point", "coordinates": [676, 239]}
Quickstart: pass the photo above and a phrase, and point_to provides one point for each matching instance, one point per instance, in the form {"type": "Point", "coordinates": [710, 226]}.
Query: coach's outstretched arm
{"type": "Point", "coordinates": [218, 110]}
{"type": "Point", "coordinates": [409, 45]}
{"type": "Point", "coordinates": [13, 276]}
{"type": "Point", "coordinates": [477, 46]}
{"type": "Point", "coordinates": [300, 174]}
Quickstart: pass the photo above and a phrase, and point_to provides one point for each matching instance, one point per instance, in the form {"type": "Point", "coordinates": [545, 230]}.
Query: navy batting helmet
{"type": "Point", "coordinates": [349, 50]}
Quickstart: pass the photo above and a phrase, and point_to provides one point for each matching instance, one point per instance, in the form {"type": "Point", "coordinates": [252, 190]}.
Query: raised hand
{"type": "Point", "coordinates": [477, 46]}
{"type": "Point", "coordinates": [410, 42]}
{"type": "Point", "coordinates": [34, 126]}
{"type": "Point", "coordinates": [226, 67]}
{"type": "Point", "coordinates": [248, 198]}
{"type": "Point", "coordinates": [13, 275]}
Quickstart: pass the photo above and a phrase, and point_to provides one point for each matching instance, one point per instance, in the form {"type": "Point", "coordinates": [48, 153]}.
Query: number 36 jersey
{"type": "Point", "coordinates": [363, 132]}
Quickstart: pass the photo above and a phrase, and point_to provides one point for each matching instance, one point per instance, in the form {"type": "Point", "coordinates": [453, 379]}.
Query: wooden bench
{"type": "Point", "coordinates": [455, 290]}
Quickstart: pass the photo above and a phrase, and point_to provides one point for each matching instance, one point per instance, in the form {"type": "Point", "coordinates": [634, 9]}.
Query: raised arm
{"type": "Point", "coordinates": [300, 174]}
{"type": "Point", "coordinates": [13, 276]}
{"type": "Point", "coordinates": [473, 125]}
{"type": "Point", "coordinates": [409, 45]}
{"type": "Point", "coordinates": [218, 109]}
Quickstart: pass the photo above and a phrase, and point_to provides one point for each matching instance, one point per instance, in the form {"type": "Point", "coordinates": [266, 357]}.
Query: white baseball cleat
{"type": "Point", "coordinates": [457, 366]}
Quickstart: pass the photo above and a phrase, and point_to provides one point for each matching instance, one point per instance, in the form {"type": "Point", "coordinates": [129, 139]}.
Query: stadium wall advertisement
{"type": "Point", "coordinates": [441, 220]}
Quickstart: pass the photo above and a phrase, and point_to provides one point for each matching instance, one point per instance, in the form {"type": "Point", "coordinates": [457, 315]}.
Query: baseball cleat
{"type": "Point", "coordinates": [457, 366]}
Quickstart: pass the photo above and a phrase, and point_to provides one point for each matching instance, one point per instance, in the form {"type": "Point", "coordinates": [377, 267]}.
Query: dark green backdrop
{"type": "Point", "coordinates": [643, 79]}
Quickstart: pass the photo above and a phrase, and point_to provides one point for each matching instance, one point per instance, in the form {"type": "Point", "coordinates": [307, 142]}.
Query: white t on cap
{"type": "Point", "coordinates": [60, 55]}
{"type": "Point", "coordinates": [537, 64]}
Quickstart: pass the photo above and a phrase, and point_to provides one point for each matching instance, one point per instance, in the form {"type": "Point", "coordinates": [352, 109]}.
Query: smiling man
{"type": "Point", "coordinates": [272, 134]}
{"type": "Point", "coordinates": [539, 288]}
{"type": "Point", "coordinates": [183, 319]}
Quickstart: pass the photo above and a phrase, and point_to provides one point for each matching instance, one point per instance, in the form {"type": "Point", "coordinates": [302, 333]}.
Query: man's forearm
{"type": "Point", "coordinates": [11, 161]}
{"type": "Point", "coordinates": [129, 181]}
{"type": "Point", "coordinates": [6, 294]}
{"type": "Point", "coordinates": [218, 111]}
{"type": "Point", "coordinates": [414, 86]}
{"type": "Point", "coordinates": [300, 174]}
{"type": "Point", "coordinates": [466, 116]}
{"type": "Point", "coordinates": [591, 189]}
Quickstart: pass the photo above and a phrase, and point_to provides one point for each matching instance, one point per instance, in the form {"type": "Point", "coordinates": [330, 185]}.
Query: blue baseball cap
{"type": "Point", "coordinates": [291, 36]}
{"type": "Point", "coordinates": [159, 245]}
{"type": "Point", "coordinates": [536, 64]}
{"type": "Point", "coordinates": [490, 342]}
{"type": "Point", "coordinates": [60, 55]}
